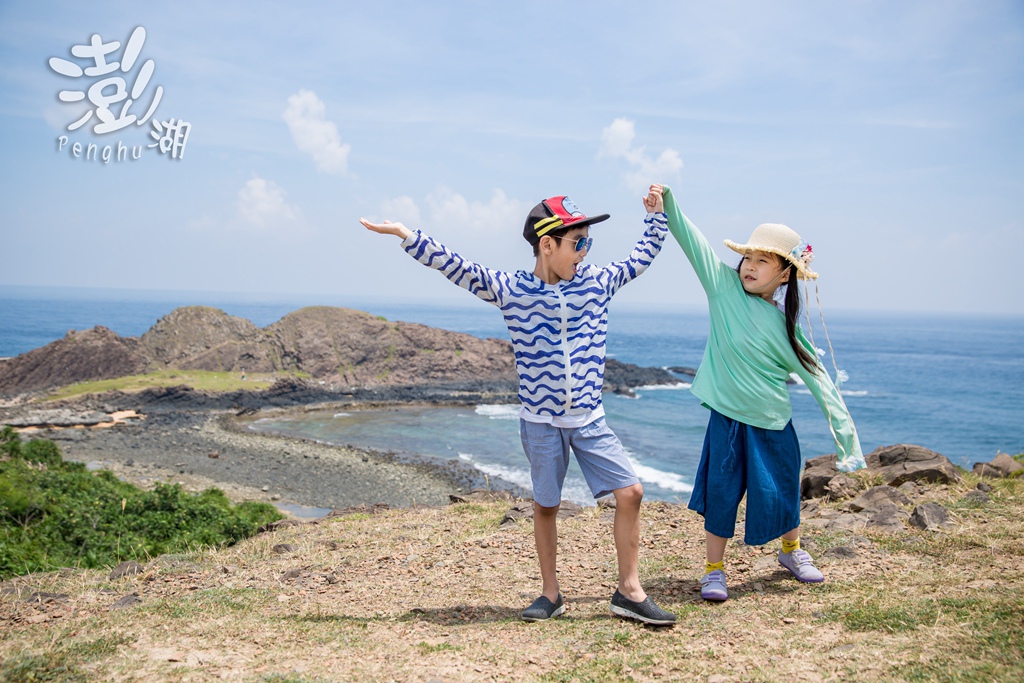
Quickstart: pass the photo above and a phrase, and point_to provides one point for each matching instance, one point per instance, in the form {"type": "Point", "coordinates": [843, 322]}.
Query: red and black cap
{"type": "Point", "coordinates": [556, 213]}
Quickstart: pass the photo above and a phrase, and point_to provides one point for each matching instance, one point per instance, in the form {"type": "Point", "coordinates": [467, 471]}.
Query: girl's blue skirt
{"type": "Point", "coordinates": [764, 464]}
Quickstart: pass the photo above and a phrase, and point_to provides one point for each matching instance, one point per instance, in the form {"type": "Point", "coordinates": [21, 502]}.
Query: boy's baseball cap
{"type": "Point", "coordinates": [555, 213]}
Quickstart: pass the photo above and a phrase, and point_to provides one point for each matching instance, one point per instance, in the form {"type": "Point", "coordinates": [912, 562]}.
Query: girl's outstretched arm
{"type": "Point", "coordinates": [710, 269]}
{"type": "Point", "coordinates": [848, 450]}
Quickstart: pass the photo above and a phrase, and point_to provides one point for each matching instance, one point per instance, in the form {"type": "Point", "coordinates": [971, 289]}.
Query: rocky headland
{"type": "Point", "coordinates": [314, 358]}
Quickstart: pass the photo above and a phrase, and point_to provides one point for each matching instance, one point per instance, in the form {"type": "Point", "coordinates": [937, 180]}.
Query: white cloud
{"type": "Point", "coordinates": [261, 206]}
{"type": "Point", "coordinates": [452, 209]}
{"type": "Point", "coordinates": [617, 143]}
{"type": "Point", "coordinates": [402, 210]}
{"type": "Point", "coordinates": [314, 134]}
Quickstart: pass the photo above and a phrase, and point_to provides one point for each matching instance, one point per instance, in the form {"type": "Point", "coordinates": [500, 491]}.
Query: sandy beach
{"type": "Point", "coordinates": [200, 449]}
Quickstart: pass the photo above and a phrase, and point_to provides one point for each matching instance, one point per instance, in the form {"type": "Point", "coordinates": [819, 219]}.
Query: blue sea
{"type": "Point", "coordinates": [951, 383]}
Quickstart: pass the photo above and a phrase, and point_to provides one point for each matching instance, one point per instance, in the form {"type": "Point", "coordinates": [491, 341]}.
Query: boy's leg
{"type": "Point", "coordinates": [547, 448]}
{"type": "Point", "coordinates": [627, 540]}
{"type": "Point", "coordinates": [607, 470]}
{"type": "Point", "coordinates": [545, 537]}
{"type": "Point", "coordinates": [630, 599]}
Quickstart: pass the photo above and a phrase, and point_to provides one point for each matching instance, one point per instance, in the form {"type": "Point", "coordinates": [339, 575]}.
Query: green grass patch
{"type": "Point", "coordinates": [62, 663]}
{"type": "Point", "coordinates": [427, 648]}
{"type": "Point", "coordinates": [202, 380]}
{"type": "Point", "coordinates": [869, 616]}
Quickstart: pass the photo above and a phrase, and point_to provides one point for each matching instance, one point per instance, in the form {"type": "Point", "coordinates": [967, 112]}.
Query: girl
{"type": "Point", "coordinates": [752, 348]}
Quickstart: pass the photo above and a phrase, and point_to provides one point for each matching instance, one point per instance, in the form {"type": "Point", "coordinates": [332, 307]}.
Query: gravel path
{"type": "Point", "coordinates": [203, 449]}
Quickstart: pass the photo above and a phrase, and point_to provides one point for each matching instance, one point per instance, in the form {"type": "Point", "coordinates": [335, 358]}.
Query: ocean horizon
{"type": "Point", "coordinates": [953, 383]}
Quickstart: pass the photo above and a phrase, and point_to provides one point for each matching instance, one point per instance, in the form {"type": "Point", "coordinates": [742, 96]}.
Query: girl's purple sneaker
{"type": "Point", "coordinates": [800, 565]}
{"type": "Point", "coordinates": [713, 586]}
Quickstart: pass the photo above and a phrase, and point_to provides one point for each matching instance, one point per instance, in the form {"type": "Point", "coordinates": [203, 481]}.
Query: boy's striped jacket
{"type": "Point", "coordinates": [558, 331]}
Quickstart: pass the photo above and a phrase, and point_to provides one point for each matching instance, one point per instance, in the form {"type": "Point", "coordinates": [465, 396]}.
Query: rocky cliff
{"type": "Point", "coordinates": [340, 346]}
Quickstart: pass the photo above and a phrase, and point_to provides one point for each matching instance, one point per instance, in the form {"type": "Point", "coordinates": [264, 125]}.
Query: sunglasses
{"type": "Point", "coordinates": [581, 244]}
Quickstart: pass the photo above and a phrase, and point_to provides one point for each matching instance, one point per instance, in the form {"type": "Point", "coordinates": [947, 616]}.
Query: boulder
{"type": "Point", "coordinates": [1000, 466]}
{"type": "Point", "coordinates": [930, 517]}
{"type": "Point", "coordinates": [876, 496]}
{"type": "Point", "coordinates": [906, 462]}
{"type": "Point", "coordinates": [818, 472]}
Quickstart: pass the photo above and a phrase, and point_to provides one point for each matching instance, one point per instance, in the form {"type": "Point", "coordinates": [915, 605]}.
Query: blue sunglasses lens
{"type": "Point", "coordinates": [584, 243]}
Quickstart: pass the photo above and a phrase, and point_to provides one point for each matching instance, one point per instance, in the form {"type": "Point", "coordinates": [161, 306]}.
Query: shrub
{"type": "Point", "coordinates": [60, 514]}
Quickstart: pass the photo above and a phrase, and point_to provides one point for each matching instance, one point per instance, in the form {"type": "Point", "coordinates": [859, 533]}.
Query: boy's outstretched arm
{"type": "Point", "coordinates": [618, 273]}
{"type": "Point", "coordinates": [483, 283]}
{"type": "Point", "coordinates": [387, 228]}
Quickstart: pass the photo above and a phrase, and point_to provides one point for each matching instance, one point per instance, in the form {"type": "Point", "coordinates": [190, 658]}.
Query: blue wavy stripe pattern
{"type": "Point", "coordinates": [533, 315]}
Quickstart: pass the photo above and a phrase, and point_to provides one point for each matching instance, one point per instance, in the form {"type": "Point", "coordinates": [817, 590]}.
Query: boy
{"type": "Point", "coordinates": [557, 317]}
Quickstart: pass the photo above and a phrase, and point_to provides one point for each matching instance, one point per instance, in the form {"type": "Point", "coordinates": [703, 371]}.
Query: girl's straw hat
{"type": "Point", "coordinates": [781, 240]}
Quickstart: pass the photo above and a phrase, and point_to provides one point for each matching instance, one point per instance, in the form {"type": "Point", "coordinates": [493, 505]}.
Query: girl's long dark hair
{"type": "Point", "coordinates": [791, 304]}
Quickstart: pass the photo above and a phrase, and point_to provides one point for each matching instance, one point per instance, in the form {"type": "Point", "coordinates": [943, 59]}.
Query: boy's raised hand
{"type": "Point", "coordinates": [387, 228]}
{"type": "Point", "coordinates": [654, 202]}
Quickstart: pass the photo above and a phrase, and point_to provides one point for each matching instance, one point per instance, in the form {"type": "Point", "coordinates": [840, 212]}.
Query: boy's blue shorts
{"type": "Point", "coordinates": [598, 452]}
{"type": "Point", "coordinates": [764, 463]}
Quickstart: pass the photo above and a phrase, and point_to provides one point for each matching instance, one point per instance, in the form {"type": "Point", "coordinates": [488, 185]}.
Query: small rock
{"type": "Point", "coordinates": [45, 598]}
{"type": "Point", "coordinates": [976, 496]}
{"type": "Point", "coordinates": [1001, 466]}
{"type": "Point", "coordinates": [213, 454]}
{"type": "Point", "coordinates": [841, 486]}
{"type": "Point", "coordinates": [888, 517]}
{"type": "Point", "coordinates": [518, 511]}
{"type": "Point", "coordinates": [283, 548]}
{"type": "Point", "coordinates": [265, 489]}
{"type": "Point", "coordinates": [481, 495]}
{"type": "Point", "coordinates": [818, 472]}
{"type": "Point", "coordinates": [982, 486]}
{"type": "Point", "coordinates": [125, 569]}
{"type": "Point", "coordinates": [127, 601]}
{"type": "Point", "coordinates": [841, 552]}
{"type": "Point", "coordinates": [930, 517]}
{"type": "Point", "coordinates": [876, 496]}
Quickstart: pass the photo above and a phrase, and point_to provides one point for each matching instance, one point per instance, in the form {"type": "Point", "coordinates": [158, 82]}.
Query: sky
{"type": "Point", "coordinates": [888, 134]}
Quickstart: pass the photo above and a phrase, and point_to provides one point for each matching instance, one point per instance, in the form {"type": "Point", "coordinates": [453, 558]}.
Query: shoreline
{"type": "Point", "coordinates": [213, 448]}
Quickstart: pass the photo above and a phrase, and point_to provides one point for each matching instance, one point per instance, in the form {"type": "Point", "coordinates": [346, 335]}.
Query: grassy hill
{"type": "Point", "coordinates": [434, 595]}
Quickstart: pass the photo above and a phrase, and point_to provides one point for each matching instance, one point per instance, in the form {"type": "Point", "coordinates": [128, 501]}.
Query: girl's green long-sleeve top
{"type": "Point", "coordinates": [748, 357]}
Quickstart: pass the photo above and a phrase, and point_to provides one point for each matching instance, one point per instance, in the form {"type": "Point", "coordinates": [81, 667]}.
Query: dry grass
{"type": "Point", "coordinates": [434, 595]}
